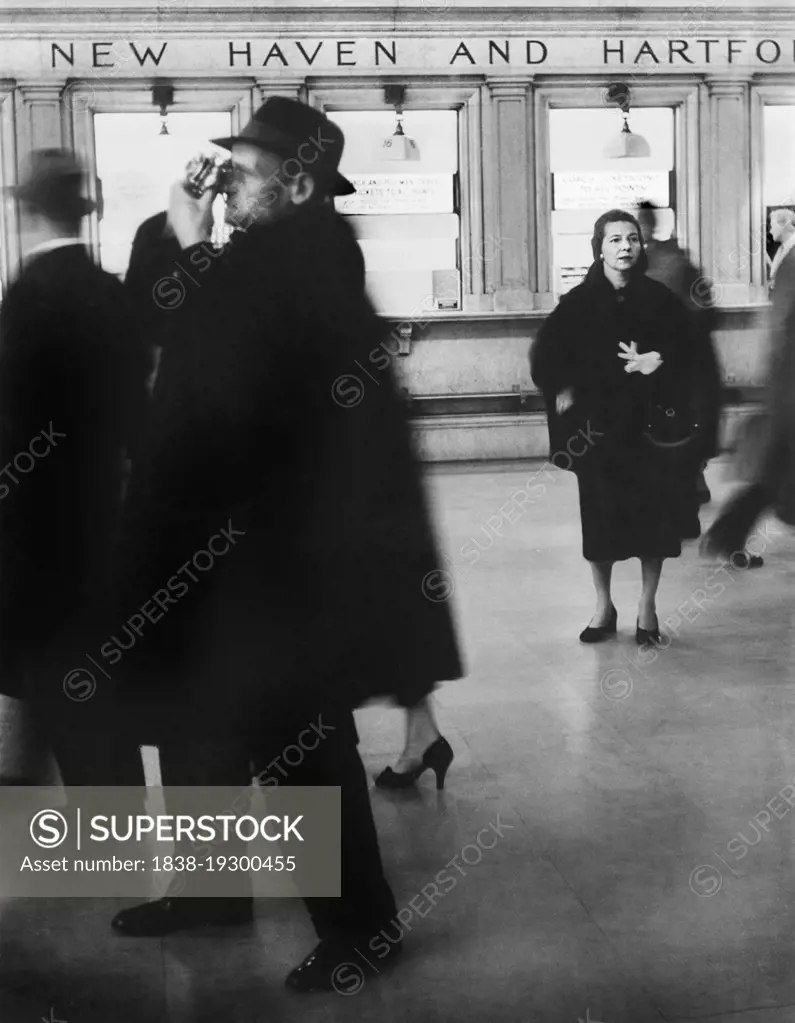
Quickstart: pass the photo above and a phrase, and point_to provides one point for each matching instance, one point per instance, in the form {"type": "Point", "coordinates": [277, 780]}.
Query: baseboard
{"type": "Point", "coordinates": [507, 437]}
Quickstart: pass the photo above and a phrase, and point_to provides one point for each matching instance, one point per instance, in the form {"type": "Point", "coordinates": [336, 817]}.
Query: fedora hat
{"type": "Point", "coordinates": [51, 181]}
{"type": "Point", "coordinates": [286, 127]}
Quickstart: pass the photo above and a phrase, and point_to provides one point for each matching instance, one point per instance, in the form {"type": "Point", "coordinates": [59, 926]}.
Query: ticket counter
{"type": "Point", "coordinates": [472, 236]}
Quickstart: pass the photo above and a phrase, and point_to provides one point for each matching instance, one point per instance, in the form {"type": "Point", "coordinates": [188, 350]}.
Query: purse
{"type": "Point", "coordinates": [669, 427]}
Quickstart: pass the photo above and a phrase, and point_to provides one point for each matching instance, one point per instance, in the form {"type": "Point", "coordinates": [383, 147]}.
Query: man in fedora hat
{"type": "Point", "coordinates": [259, 424]}
{"type": "Point", "coordinates": [72, 398]}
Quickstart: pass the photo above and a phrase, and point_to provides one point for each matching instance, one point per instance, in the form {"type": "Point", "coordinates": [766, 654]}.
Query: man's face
{"type": "Point", "coordinates": [778, 225]}
{"type": "Point", "coordinates": [259, 191]}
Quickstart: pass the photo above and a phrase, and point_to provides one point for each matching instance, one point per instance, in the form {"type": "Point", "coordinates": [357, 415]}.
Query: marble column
{"type": "Point", "coordinates": [508, 206]}
{"type": "Point", "coordinates": [40, 121]}
{"type": "Point", "coordinates": [727, 226]}
{"type": "Point", "coordinates": [293, 87]}
{"type": "Point", "coordinates": [41, 124]}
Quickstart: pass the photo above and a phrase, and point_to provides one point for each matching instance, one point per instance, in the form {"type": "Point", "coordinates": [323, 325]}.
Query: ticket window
{"type": "Point", "coordinates": [405, 214]}
{"type": "Point", "coordinates": [136, 167]}
{"type": "Point", "coordinates": [585, 183]}
{"type": "Point", "coordinates": [778, 185]}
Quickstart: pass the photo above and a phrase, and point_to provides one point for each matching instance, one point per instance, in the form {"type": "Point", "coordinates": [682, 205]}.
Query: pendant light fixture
{"type": "Point", "coordinates": [398, 146]}
{"type": "Point", "coordinates": [163, 97]}
{"type": "Point", "coordinates": [625, 144]}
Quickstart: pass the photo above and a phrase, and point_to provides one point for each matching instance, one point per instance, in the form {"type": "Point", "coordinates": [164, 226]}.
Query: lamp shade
{"type": "Point", "coordinates": [625, 145]}
{"type": "Point", "coordinates": [399, 147]}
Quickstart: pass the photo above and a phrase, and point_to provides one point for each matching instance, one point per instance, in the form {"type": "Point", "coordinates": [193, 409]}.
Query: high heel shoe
{"type": "Point", "coordinates": [595, 634]}
{"type": "Point", "coordinates": [647, 637]}
{"type": "Point", "coordinates": [437, 758]}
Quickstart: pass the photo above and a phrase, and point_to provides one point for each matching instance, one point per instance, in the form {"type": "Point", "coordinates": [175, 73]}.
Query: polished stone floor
{"type": "Point", "coordinates": [637, 863]}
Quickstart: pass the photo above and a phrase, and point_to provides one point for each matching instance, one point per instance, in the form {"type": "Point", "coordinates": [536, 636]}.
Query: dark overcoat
{"type": "Point", "coordinates": [72, 391]}
{"type": "Point", "coordinates": [277, 420]}
{"type": "Point", "coordinates": [635, 500]}
{"type": "Point", "coordinates": [776, 453]}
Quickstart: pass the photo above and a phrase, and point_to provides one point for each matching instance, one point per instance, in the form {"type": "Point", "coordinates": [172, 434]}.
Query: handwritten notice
{"type": "Point", "coordinates": [603, 190]}
{"type": "Point", "coordinates": [398, 193]}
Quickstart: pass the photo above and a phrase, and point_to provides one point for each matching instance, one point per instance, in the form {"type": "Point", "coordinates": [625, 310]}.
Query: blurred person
{"type": "Point", "coordinates": [670, 264]}
{"type": "Point", "coordinates": [626, 391]}
{"type": "Point", "coordinates": [425, 748]}
{"type": "Point", "coordinates": [261, 426]}
{"type": "Point", "coordinates": [72, 409]}
{"type": "Point", "coordinates": [773, 485]}
{"type": "Point", "coordinates": [782, 231]}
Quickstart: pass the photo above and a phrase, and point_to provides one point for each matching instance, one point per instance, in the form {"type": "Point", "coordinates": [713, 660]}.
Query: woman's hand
{"type": "Point", "coordinates": [564, 401]}
{"type": "Point", "coordinates": [644, 363]}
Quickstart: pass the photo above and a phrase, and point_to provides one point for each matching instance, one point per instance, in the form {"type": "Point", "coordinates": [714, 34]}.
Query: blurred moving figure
{"type": "Point", "coordinates": [782, 231]}
{"type": "Point", "coordinates": [263, 430]}
{"type": "Point", "coordinates": [73, 402]}
{"type": "Point", "coordinates": [627, 388]}
{"type": "Point", "coordinates": [773, 487]}
{"type": "Point", "coordinates": [670, 264]}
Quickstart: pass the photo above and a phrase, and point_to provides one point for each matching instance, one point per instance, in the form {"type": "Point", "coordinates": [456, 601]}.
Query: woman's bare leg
{"type": "Point", "coordinates": [421, 731]}
{"type": "Point", "coordinates": [651, 570]}
{"type": "Point", "coordinates": [602, 575]}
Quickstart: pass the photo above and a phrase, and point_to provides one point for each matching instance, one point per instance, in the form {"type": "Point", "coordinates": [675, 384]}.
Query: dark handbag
{"type": "Point", "coordinates": [670, 427]}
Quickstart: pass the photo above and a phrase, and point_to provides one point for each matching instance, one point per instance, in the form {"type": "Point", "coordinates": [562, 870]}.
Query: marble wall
{"type": "Point", "coordinates": [489, 357]}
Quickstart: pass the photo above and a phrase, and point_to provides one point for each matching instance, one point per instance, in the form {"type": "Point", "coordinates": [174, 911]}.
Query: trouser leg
{"type": "Point", "coordinates": [730, 531]}
{"type": "Point", "coordinates": [88, 751]}
{"type": "Point", "coordinates": [197, 766]}
{"type": "Point", "coordinates": [366, 902]}
{"type": "Point", "coordinates": [200, 765]}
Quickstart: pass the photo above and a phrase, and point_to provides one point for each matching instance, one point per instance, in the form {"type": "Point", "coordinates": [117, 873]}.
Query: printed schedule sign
{"type": "Point", "coordinates": [399, 193]}
{"type": "Point", "coordinates": [577, 190]}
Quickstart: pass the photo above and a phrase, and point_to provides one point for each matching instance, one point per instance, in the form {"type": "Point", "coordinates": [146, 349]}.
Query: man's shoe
{"type": "Point", "coordinates": [710, 548]}
{"type": "Point", "coordinates": [165, 916]}
{"type": "Point", "coordinates": [337, 966]}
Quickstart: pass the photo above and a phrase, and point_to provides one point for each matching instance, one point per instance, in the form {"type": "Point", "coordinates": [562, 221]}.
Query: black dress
{"type": "Point", "coordinates": [636, 501]}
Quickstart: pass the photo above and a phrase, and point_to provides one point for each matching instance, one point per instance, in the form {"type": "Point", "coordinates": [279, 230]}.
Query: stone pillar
{"type": "Point", "coordinates": [39, 117]}
{"type": "Point", "coordinates": [727, 228]}
{"type": "Point", "coordinates": [509, 188]}
{"type": "Point", "coordinates": [292, 87]}
{"type": "Point", "coordinates": [40, 125]}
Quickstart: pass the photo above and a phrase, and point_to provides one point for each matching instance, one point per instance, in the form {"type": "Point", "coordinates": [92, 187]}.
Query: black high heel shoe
{"type": "Point", "coordinates": [437, 758]}
{"type": "Point", "coordinates": [595, 634]}
{"type": "Point", "coordinates": [647, 637]}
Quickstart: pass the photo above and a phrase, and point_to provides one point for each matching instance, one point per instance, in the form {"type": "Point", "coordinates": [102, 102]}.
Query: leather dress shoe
{"type": "Point", "coordinates": [165, 916]}
{"type": "Point", "coordinates": [437, 758]}
{"type": "Point", "coordinates": [597, 633]}
{"type": "Point", "coordinates": [337, 966]}
{"type": "Point", "coordinates": [648, 637]}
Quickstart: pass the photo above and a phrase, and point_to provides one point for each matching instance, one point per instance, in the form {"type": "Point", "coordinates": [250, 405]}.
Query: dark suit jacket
{"type": "Point", "coordinates": [276, 411]}
{"type": "Point", "coordinates": [69, 363]}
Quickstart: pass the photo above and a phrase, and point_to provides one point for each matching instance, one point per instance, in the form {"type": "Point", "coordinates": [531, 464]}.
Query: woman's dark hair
{"type": "Point", "coordinates": [613, 217]}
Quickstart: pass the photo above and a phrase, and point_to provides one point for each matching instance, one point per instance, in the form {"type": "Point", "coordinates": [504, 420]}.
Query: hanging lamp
{"type": "Point", "coordinates": [399, 146]}
{"type": "Point", "coordinates": [625, 144]}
